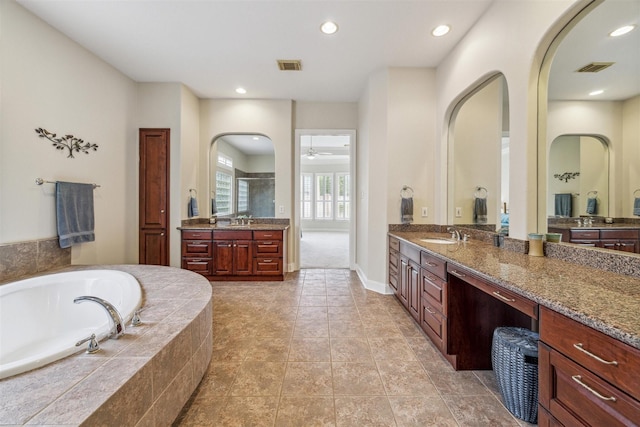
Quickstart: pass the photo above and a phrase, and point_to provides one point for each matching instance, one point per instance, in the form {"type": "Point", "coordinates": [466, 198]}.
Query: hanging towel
{"type": "Point", "coordinates": [480, 210]}
{"type": "Point", "coordinates": [592, 206]}
{"type": "Point", "coordinates": [636, 206]}
{"type": "Point", "coordinates": [214, 207]}
{"type": "Point", "coordinates": [563, 204]}
{"type": "Point", "coordinates": [74, 213]}
{"type": "Point", "coordinates": [406, 210]}
{"type": "Point", "coordinates": [193, 207]}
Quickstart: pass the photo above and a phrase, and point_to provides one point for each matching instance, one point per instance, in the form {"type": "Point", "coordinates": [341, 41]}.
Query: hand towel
{"type": "Point", "coordinates": [592, 206]}
{"type": "Point", "coordinates": [214, 207]}
{"type": "Point", "coordinates": [636, 206]}
{"type": "Point", "coordinates": [406, 210]}
{"type": "Point", "coordinates": [74, 213]}
{"type": "Point", "coordinates": [480, 210]}
{"type": "Point", "coordinates": [563, 204]}
{"type": "Point", "coordinates": [193, 207]}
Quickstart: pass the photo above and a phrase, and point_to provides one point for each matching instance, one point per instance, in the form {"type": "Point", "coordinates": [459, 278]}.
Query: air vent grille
{"type": "Point", "coordinates": [290, 64]}
{"type": "Point", "coordinates": [595, 67]}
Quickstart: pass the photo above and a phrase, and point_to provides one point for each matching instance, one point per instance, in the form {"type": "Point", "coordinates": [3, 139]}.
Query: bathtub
{"type": "Point", "coordinates": [39, 322]}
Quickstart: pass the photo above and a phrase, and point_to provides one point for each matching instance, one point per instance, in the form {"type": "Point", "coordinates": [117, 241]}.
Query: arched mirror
{"type": "Point", "coordinates": [242, 176]}
{"type": "Point", "coordinates": [479, 158]}
{"type": "Point", "coordinates": [592, 115]}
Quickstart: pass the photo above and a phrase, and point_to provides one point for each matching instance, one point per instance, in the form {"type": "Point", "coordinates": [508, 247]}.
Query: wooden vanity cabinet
{"type": "Point", "coordinates": [585, 237]}
{"type": "Point", "coordinates": [197, 251]}
{"type": "Point", "coordinates": [586, 378]}
{"type": "Point", "coordinates": [268, 256]}
{"type": "Point", "coordinates": [408, 291]}
{"type": "Point", "coordinates": [233, 252]}
{"type": "Point", "coordinates": [433, 302]}
{"type": "Point", "coordinates": [619, 240]}
{"type": "Point", "coordinates": [394, 262]}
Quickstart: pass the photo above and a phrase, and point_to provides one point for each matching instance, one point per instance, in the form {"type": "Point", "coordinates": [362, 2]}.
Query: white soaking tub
{"type": "Point", "coordinates": [39, 322]}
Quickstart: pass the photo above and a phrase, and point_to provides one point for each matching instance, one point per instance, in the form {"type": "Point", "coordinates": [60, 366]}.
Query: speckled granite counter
{"type": "Point", "coordinates": [142, 379]}
{"type": "Point", "coordinates": [257, 226]}
{"type": "Point", "coordinates": [605, 301]}
{"type": "Point", "coordinates": [615, 225]}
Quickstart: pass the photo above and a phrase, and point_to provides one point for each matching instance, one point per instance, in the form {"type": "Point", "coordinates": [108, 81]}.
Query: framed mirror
{"type": "Point", "coordinates": [478, 158]}
{"type": "Point", "coordinates": [242, 176]}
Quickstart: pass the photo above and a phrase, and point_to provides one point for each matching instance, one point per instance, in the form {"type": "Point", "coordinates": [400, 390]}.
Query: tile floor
{"type": "Point", "coordinates": [319, 350]}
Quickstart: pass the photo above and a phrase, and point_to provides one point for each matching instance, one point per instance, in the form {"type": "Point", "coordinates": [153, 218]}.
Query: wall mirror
{"type": "Point", "coordinates": [478, 158]}
{"type": "Point", "coordinates": [578, 177]}
{"type": "Point", "coordinates": [242, 176]}
{"type": "Point", "coordinates": [592, 110]}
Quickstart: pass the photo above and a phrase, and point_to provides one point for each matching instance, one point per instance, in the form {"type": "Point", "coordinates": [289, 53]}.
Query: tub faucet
{"type": "Point", "coordinates": [116, 319]}
{"type": "Point", "coordinates": [455, 234]}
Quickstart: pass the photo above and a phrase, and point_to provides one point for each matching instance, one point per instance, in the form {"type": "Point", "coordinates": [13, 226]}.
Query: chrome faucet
{"type": "Point", "coordinates": [455, 234]}
{"type": "Point", "coordinates": [116, 319]}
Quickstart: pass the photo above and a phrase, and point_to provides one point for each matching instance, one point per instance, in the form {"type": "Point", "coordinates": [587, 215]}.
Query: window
{"type": "Point", "coordinates": [324, 196]}
{"type": "Point", "coordinates": [243, 195]}
{"type": "Point", "coordinates": [225, 160]}
{"type": "Point", "coordinates": [343, 205]}
{"type": "Point", "coordinates": [306, 196]}
{"type": "Point", "coordinates": [223, 193]}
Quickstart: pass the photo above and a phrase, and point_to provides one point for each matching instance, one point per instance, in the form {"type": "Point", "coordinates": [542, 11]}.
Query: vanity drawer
{"type": "Point", "coordinates": [434, 290]}
{"type": "Point", "coordinates": [593, 350]}
{"type": "Point", "coordinates": [576, 396]}
{"type": "Point", "coordinates": [196, 234]}
{"type": "Point", "coordinates": [199, 265]}
{"type": "Point", "coordinates": [433, 323]}
{"type": "Point", "coordinates": [267, 235]}
{"type": "Point", "coordinates": [265, 266]}
{"type": "Point", "coordinates": [520, 303]}
{"type": "Point", "coordinates": [394, 259]}
{"type": "Point", "coordinates": [269, 247]}
{"type": "Point", "coordinates": [619, 234]}
{"type": "Point", "coordinates": [394, 243]}
{"type": "Point", "coordinates": [232, 235]}
{"type": "Point", "coordinates": [585, 234]}
{"type": "Point", "coordinates": [434, 264]}
{"type": "Point", "coordinates": [197, 248]}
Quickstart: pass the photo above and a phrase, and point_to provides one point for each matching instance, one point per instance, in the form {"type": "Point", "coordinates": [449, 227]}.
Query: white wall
{"type": "Point", "coordinates": [326, 115]}
{"type": "Point", "coordinates": [630, 157]}
{"type": "Point", "coordinates": [490, 47]}
{"type": "Point", "coordinates": [50, 81]}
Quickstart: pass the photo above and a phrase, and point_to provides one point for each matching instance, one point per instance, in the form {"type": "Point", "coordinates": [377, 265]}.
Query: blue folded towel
{"type": "Point", "coordinates": [74, 213]}
{"type": "Point", "coordinates": [636, 206]}
{"type": "Point", "coordinates": [193, 207]}
{"type": "Point", "coordinates": [480, 210]}
{"type": "Point", "coordinates": [406, 210]}
{"type": "Point", "coordinates": [592, 206]}
{"type": "Point", "coordinates": [563, 204]}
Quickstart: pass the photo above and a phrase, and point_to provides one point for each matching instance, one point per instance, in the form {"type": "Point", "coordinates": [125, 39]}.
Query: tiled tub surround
{"type": "Point", "coordinates": [605, 301]}
{"type": "Point", "coordinates": [35, 256]}
{"type": "Point", "coordinates": [142, 379]}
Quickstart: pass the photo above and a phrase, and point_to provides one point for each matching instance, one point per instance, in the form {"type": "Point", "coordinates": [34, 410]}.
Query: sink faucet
{"type": "Point", "coordinates": [455, 234]}
{"type": "Point", "coordinates": [116, 319]}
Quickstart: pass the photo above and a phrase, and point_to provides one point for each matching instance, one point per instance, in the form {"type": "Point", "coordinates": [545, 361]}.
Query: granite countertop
{"type": "Point", "coordinates": [596, 226]}
{"type": "Point", "coordinates": [225, 226]}
{"type": "Point", "coordinates": [607, 302]}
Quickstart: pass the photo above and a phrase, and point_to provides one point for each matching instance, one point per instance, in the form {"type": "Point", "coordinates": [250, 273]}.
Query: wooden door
{"type": "Point", "coordinates": [154, 196]}
{"type": "Point", "coordinates": [223, 257]}
{"type": "Point", "coordinates": [243, 257]}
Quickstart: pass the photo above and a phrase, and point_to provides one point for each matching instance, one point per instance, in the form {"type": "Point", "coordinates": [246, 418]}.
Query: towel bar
{"type": "Point", "coordinates": [406, 191]}
{"type": "Point", "coordinates": [636, 193]}
{"type": "Point", "coordinates": [479, 193]}
{"type": "Point", "coordinates": [594, 192]}
{"type": "Point", "coordinates": [41, 181]}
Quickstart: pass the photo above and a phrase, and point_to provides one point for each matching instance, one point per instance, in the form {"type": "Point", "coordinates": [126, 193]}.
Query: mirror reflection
{"type": "Point", "coordinates": [242, 176]}
{"type": "Point", "coordinates": [479, 158]}
{"type": "Point", "coordinates": [578, 177]}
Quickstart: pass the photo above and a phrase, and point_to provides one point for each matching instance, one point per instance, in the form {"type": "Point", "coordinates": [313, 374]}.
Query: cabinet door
{"type": "Point", "coordinates": [403, 287]}
{"type": "Point", "coordinates": [242, 257]}
{"type": "Point", "coordinates": [154, 242]}
{"type": "Point", "coordinates": [414, 291]}
{"type": "Point", "coordinates": [223, 256]}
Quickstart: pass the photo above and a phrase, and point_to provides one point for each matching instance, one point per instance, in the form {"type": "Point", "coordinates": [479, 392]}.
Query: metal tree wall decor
{"type": "Point", "coordinates": [69, 142]}
{"type": "Point", "coordinates": [566, 176]}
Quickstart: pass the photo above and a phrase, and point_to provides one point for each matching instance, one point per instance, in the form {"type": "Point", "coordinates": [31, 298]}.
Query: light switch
{"type": "Point", "coordinates": [458, 212]}
{"type": "Point", "coordinates": [425, 212]}
{"type": "Point", "coordinates": [281, 209]}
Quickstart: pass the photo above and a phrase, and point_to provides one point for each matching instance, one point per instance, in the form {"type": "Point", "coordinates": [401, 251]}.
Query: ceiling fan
{"type": "Point", "coordinates": [311, 154]}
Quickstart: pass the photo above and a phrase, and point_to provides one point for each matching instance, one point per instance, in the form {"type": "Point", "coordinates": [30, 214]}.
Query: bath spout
{"type": "Point", "coordinates": [118, 324]}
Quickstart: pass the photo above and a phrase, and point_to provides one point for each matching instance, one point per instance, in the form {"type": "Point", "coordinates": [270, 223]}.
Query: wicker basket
{"type": "Point", "coordinates": [514, 356]}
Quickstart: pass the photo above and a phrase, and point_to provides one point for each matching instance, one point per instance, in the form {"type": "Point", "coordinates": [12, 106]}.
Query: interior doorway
{"type": "Point", "coordinates": [325, 202]}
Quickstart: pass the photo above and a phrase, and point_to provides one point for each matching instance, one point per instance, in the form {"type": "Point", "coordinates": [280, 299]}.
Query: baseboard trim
{"type": "Point", "coordinates": [372, 285]}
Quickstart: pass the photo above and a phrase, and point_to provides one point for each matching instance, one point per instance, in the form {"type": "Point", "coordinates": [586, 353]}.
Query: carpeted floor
{"type": "Point", "coordinates": [322, 249]}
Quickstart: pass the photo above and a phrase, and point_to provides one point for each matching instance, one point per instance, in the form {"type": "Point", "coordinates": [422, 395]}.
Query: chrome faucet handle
{"type": "Point", "coordinates": [93, 346]}
{"type": "Point", "coordinates": [136, 320]}
{"type": "Point", "coordinates": [465, 237]}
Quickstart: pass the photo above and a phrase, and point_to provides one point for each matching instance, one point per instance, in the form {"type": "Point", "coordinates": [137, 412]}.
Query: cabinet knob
{"type": "Point", "coordinates": [161, 234]}
{"type": "Point", "coordinates": [161, 211]}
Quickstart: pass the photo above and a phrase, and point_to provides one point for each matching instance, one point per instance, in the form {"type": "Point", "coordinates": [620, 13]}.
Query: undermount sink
{"type": "Point", "coordinates": [439, 241]}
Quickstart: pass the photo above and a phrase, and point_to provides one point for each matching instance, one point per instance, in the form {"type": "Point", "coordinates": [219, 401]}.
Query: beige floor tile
{"type": "Point", "coordinates": [350, 378]}
{"type": "Point", "coordinates": [461, 383]}
{"type": "Point", "coordinates": [360, 411]}
{"type": "Point", "coordinates": [391, 348]}
{"type": "Point", "coordinates": [310, 350]}
{"type": "Point", "coordinates": [479, 411]}
{"type": "Point", "coordinates": [258, 379]}
{"type": "Point", "coordinates": [346, 328]}
{"type": "Point", "coordinates": [269, 349]}
{"type": "Point", "coordinates": [350, 349]}
{"type": "Point", "coordinates": [217, 380]}
{"type": "Point", "coordinates": [307, 379]}
{"type": "Point", "coordinates": [201, 412]}
{"type": "Point", "coordinates": [405, 378]}
{"type": "Point", "coordinates": [306, 411]}
{"type": "Point", "coordinates": [313, 300]}
{"type": "Point", "coordinates": [248, 412]}
{"type": "Point", "coordinates": [413, 411]}
{"type": "Point", "coordinates": [311, 328]}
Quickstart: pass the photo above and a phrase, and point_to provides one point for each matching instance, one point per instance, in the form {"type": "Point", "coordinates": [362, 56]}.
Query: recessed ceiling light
{"type": "Point", "coordinates": [329, 27]}
{"type": "Point", "coordinates": [255, 138]}
{"type": "Point", "coordinates": [241, 90]}
{"type": "Point", "coordinates": [596, 92]}
{"type": "Point", "coordinates": [622, 30]}
{"type": "Point", "coordinates": [440, 30]}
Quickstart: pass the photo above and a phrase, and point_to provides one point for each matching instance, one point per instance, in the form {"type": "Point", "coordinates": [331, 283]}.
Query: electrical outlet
{"type": "Point", "coordinates": [425, 212]}
{"type": "Point", "coordinates": [281, 209]}
{"type": "Point", "coordinates": [458, 212]}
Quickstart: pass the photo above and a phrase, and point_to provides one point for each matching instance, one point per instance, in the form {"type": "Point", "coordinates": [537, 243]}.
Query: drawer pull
{"type": "Point", "coordinates": [456, 273]}
{"type": "Point", "coordinates": [267, 260]}
{"type": "Point", "coordinates": [578, 378]}
{"type": "Point", "coordinates": [429, 311]}
{"type": "Point", "coordinates": [502, 297]}
{"type": "Point", "coordinates": [267, 243]}
{"type": "Point", "coordinates": [599, 359]}
{"type": "Point", "coordinates": [431, 264]}
{"type": "Point", "coordinates": [430, 278]}
{"type": "Point", "coordinates": [267, 235]}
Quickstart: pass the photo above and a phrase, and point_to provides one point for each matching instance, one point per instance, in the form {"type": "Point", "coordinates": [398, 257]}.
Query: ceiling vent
{"type": "Point", "coordinates": [289, 64]}
{"type": "Point", "coordinates": [595, 67]}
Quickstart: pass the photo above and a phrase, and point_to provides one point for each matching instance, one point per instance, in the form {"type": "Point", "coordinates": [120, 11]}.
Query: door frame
{"type": "Point", "coordinates": [351, 133]}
